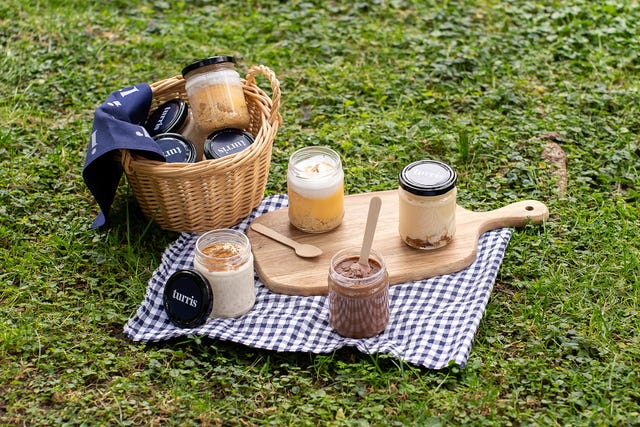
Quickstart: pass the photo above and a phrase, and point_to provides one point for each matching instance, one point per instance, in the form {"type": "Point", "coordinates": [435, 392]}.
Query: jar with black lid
{"type": "Point", "coordinates": [226, 142]}
{"type": "Point", "coordinates": [215, 94]}
{"type": "Point", "coordinates": [427, 204]}
{"type": "Point", "coordinates": [175, 116]}
{"type": "Point", "coordinates": [176, 148]}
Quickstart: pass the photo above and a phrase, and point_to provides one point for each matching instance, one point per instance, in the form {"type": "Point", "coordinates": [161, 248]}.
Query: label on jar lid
{"type": "Point", "coordinates": [187, 298]}
{"type": "Point", "coordinates": [176, 148]}
{"type": "Point", "coordinates": [427, 178]}
{"type": "Point", "coordinates": [167, 118]}
{"type": "Point", "coordinates": [226, 142]}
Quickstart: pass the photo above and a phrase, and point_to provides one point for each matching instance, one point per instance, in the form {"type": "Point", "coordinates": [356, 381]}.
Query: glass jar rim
{"type": "Point", "coordinates": [308, 152]}
{"type": "Point", "coordinates": [205, 62]}
{"type": "Point", "coordinates": [361, 286]}
{"type": "Point", "coordinates": [227, 235]}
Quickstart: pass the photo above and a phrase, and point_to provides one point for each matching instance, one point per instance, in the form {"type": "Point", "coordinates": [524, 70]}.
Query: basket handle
{"type": "Point", "coordinates": [125, 160]}
{"type": "Point", "coordinates": [275, 90]}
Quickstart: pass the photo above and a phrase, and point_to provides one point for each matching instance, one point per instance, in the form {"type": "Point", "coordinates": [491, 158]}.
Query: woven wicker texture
{"type": "Point", "coordinates": [209, 194]}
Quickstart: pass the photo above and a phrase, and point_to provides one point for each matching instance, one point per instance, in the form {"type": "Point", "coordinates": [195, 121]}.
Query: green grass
{"type": "Point", "coordinates": [476, 83]}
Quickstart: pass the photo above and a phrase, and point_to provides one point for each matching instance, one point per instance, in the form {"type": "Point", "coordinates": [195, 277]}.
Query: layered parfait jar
{"type": "Point", "coordinates": [315, 186]}
{"type": "Point", "coordinates": [427, 204]}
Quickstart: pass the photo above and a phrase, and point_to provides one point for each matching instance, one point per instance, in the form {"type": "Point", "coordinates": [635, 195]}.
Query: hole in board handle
{"type": "Point", "coordinates": [529, 208]}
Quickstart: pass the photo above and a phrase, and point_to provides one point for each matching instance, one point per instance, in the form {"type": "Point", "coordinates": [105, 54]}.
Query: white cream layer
{"type": "Point", "coordinates": [233, 290]}
{"type": "Point", "coordinates": [315, 178]}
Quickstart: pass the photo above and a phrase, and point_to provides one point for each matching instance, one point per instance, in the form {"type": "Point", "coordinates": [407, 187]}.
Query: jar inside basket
{"type": "Point", "coordinates": [214, 91]}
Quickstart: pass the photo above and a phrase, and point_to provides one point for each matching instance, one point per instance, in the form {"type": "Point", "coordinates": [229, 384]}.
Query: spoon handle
{"type": "Point", "coordinates": [262, 229]}
{"type": "Point", "coordinates": [370, 229]}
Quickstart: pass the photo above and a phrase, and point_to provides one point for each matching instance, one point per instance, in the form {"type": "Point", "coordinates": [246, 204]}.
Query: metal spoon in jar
{"type": "Point", "coordinates": [301, 249]}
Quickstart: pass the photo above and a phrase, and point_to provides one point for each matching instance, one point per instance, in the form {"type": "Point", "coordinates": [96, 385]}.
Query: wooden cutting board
{"type": "Point", "coordinates": [284, 272]}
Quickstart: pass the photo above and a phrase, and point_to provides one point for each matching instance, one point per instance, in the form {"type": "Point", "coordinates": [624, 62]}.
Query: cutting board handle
{"type": "Point", "coordinates": [514, 215]}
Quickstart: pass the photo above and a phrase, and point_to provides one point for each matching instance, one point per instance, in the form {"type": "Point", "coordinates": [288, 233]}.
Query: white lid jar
{"type": "Point", "coordinates": [315, 187]}
{"type": "Point", "coordinates": [224, 258]}
{"type": "Point", "coordinates": [215, 94]}
{"type": "Point", "coordinates": [427, 204]}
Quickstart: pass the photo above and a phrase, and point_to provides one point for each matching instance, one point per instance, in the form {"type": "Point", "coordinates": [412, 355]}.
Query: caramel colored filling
{"type": "Point", "coordinates": [220, 106]}
{"type": "Point", "coordinates": [221, 256]}
{"type": "Point", "coordinates": [316, 215]}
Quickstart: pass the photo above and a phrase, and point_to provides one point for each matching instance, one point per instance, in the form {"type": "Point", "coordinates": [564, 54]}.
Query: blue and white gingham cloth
{"type": "Point", "coordinates": [432, 322]}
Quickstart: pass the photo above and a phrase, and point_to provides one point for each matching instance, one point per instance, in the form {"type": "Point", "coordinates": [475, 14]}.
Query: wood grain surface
{"type": "Point", "coordinates": [284, 272]}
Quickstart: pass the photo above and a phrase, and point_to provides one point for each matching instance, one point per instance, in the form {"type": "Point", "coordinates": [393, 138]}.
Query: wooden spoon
{"type": "Point", "coordinates": [369, 231]}
{"type": "Point", "coordinates": [301, 249]}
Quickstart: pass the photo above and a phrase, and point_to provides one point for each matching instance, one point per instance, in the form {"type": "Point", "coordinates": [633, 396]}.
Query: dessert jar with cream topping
{"type": "Point", "coordinates": [224, 258]}
{"type": "Point", "coordinates": [427, 204]}
{"type": "Point", "coordinates": [315, 187]}
{"type": "Point", "coordinates": [215, 94]}
{"type": "Point", "coordinates": [358, 294]}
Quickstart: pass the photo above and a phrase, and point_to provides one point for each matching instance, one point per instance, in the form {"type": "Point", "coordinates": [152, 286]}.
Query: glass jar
{"type": "Point", "coordinates": [224, 258]}
{"type": "Point", "coordinates": [226, 142]}
{"type": "Point", "coordinates": [215, 94]}
{"type": "Point", "coordinates": [175, 116]}
{"type": "Point", "coordinates": [358, 296]}
{"type": "Point", "coordinates": [176, 148]}
{"type": "Point", "coordinates": [427, 204]}
{"type": "Point", "coordinates": [315, 187]}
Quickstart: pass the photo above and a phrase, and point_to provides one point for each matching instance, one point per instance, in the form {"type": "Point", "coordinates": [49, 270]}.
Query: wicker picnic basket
{"type": "Point", "coordinates": [209, 194]}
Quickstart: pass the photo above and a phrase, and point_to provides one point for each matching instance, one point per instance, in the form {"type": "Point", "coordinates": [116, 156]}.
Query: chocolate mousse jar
{"type": "Point", "coordinates": [315, 186]}
{"type": "Point", "coordinates": [224, 258]}
{"type": "Point", "coordinates": [358, 295]}
{"type": "Point", "coordinates": [427, 204]}
{"type": "Point", "coordinates": [215, 94]}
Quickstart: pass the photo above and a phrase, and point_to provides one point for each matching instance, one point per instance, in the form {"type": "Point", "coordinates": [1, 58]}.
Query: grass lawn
{"type": "Point", "coordinates": [487, 86]}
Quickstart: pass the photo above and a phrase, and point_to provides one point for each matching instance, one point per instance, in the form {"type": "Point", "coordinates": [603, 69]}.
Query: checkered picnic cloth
{"type": "Point", "coordinates": [432, 322]}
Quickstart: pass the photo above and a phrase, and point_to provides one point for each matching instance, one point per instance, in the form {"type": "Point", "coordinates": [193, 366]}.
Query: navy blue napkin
{"type": "Point", "coordinates": [117, 124]}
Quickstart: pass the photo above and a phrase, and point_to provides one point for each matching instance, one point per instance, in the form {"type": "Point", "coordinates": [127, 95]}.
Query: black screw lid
{"type": "Point", "coordinates": [168, 117]}
{"type": "Point", "coordinates": [176, 148]}
{"type": "Point", "coordinates": [207, 61]}
{"type": "Point", "coordinates": [225, 142]}
{"type": "Point", "coordinates": [427, 178]}
{"type": "Point", "coordinates": [187, 298]}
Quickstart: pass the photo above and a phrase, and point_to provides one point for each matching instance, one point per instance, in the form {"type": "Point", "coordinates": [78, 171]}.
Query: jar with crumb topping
{"type": "Point", "coordinates": [215, 94]}
{"type": "Point", "coordinates": [315, 188]}
{"type": "Point", "coordinates": [224, 258]}
{"type": "Point", "coordinates": [358, 295]}
{"type": "Point", "coordinates": [427, 204]}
